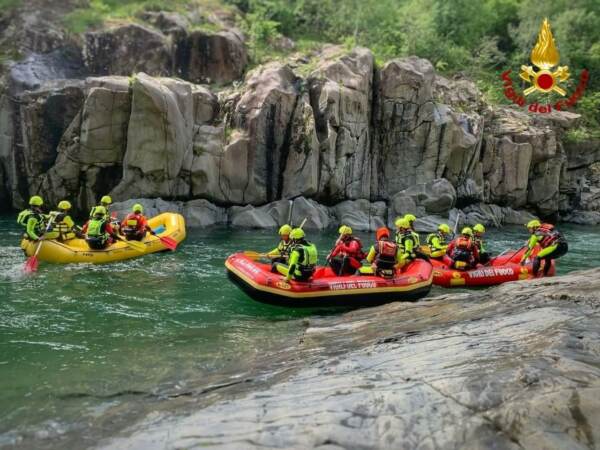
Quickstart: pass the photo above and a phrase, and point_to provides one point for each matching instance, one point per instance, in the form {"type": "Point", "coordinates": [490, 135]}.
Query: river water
{"type": "Point", "coordinates": [78, 342]}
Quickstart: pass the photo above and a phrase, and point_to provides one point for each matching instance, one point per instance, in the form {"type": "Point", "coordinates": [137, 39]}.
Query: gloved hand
{"type": "Point", "coordinates": [153, 233]}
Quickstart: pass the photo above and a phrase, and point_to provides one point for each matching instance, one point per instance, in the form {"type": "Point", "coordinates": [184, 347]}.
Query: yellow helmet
{"type": "Point", "coordinates": [106, 200]}
{"type": "Point", "coordinates": [344, 230]}
{"type": "Point", "coordinates": [297, 233]}
{"type": "Point", "coordinates": [285, 230]}
{"type": "Point", "coordinates": [36, 200]}
{"type": "Point", "coordinates": [467, 231]}
{"type": "Point", "coordinates": [533, 224]}
{"type": "Point", "coordinates": [402, 223]}
{"type": "Point", "coordinates": [479, 228]}
{"type": "Point", "coordinates": [444, 228]}
{"type": "Point", "coordinates": [64, 204]}
{"type": "Point", "coordinates": [137, 208]}
{"type": "Point", "coordinates": [100, 211]}
{"type": "Point", "coordinates": [411, 218]}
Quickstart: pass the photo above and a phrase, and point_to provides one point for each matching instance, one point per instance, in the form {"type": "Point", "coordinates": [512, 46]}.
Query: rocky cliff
{"type": "Point", "coordinates": [121, 112]}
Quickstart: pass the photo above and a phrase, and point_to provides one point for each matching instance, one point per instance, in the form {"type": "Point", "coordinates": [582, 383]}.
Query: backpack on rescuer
{"type": "Point", "coordinates": [386, 258]}
{"type": "Point", "coordinates": [464, 243]}
{"type": "Point", "coordinates": [550, 235]}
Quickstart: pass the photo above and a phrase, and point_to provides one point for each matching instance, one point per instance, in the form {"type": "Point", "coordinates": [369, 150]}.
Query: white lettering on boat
{"type": "Point", "coordinates": [342, 285]}
{"type": "Point", "coordinates": [491, 272]}
{"type": "Point", "coordinates": [248, 266]}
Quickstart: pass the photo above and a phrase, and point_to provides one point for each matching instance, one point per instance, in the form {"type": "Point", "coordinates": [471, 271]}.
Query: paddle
{"type": "Point", "coordinates": [32, 262]}
{"type": "Point", "coordinates": [254, 255]}
{"type": "Point", "coordinates": [136, 245]}
{"type": "Point", "coordinates": [168, 242]}
{"type": "Point", "coordinates": [497, 256]}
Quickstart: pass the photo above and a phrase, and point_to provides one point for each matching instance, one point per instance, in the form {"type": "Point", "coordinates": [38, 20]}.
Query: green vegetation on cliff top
{"type": "Point", "coordinates": [478, 39]}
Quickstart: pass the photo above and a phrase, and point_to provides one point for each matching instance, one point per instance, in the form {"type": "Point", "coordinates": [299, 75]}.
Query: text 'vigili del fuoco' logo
{"type": "Point", "coordinates": [544, 57]}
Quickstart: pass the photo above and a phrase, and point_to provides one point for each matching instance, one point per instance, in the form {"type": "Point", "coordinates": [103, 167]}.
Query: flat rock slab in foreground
{"type": "Point", "coordinates": [517, 366]}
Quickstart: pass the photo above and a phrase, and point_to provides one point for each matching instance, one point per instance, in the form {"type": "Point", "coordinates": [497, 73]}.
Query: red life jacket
{"type": "Point", "coordinates": [387, 249]}
{"type": "Point", "coordinates": [133, 222]}
{"type": "Point", "coordinates": [550, 235]}
{"type": "Point", "coordinates": [464, 243]}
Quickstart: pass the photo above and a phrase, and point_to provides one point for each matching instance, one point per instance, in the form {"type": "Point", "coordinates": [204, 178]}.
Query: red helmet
{"type": "Point", "coordinates": [381, 233]}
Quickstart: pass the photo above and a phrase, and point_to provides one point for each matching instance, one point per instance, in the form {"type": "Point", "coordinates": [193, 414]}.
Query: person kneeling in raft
{"type": "Point", "coordinates": [553, 243]}
{"type": "Point", "coordinates": [135, 225]}
{"type": "Point", "coordinates": [33, 219]}
{"type": "Point", "coordinates": [463, 251]}
{"type": "Point", "coordinates": [383, 256]}
{"type": "Point", "coordinates": [346, 256]}
{"type": "Point", "coordinates": [99, 232]}
{"type": "Point", "coordinates": [303, 258]}
{"type": "Point", "coordinates": [281, 253]}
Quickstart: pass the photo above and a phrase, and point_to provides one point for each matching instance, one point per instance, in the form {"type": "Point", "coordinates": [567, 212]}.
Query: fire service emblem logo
{"type": "Point", "coordinates": [543, 79]}
{"type": "Point", "coordinates": [545, 56]}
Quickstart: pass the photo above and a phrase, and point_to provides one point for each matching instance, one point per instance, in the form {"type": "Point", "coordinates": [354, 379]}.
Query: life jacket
{"type": "Point", "coordinates": [132, 224]}
{"type": "Point", "coordinates": [549, 235]}
{"type": "Point", "coordinates": [386, 252]}
{"type": "Point", "coordinates": [96, 229]}
{"type": "Point", "coordinates": [25, 215]}
{"type": "Point", "coordinates": [464, 243]}
{"type": "Point", "coordinates": [402, 239]}
{"type": "Point", "coordinates": [430, 238]}
{"type": "Point", "coordinates": [308, 258]}
{"type": "Point", "coordinates": [61, 226]}
{"type": "Point", "coordinates": [284, 247]}
{"type": "Point", "coordinates": [479, 243]}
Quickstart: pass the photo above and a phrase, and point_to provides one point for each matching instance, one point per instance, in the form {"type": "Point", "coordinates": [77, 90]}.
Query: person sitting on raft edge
{"type": "Point", "coordinates": [62, 226]}
{"type": "Point", "coordinates": [383, 256]}
{"type": "Point", "coordinates": [303, 258]}
{"type": "Point", "coordinates": [33, 219]}
{"type": "Point", "coordinates": [437, 241]}
{"type": "Point", "coordinates": [99, 232]}
{"type": "Point", "coordinates": [281, 253]}
{"type": "Point", "coordinates": [411, 218]}
{"type": "Point", "coordinates": [347, 254]}
{"type": "Point", "coordinates": [478, 232]}
{"type": "Point", "coordinates": [135, 225]}
{"type": "Point", "coordinates": [553, 243]}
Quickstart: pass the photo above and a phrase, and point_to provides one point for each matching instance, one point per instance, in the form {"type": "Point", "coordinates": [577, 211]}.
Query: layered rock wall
{"type": "Point", "coordinates": [334, 128]}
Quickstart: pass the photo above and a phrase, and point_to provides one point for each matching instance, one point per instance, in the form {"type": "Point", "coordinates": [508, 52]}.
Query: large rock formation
{"type": "Point", "coordinates": [509, 368]}
{"type": "Point", "coordinates": [333, 128]}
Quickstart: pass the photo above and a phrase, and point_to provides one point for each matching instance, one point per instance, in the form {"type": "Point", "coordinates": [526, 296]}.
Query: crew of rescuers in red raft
{"type": "Point", "coordinates": [295, 257]}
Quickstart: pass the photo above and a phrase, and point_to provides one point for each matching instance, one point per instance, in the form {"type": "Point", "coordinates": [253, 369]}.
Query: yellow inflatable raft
{"type": "Point", "coordinates": [77, 250]}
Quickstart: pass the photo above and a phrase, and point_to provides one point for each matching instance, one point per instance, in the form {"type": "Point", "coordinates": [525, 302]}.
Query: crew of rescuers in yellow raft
{"type": "Point", "coordinates": [99, 231]}
{"type": "Point", "coordinates": [296, 258]}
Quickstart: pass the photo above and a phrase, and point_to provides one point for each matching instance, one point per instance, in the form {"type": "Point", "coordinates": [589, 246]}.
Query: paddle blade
{"type": "Point", "coordinates": [253, 255]}
{"type": "Point", "coordinates": [31, 264]}
{"type": "Point", "coordinates": [168, 242]}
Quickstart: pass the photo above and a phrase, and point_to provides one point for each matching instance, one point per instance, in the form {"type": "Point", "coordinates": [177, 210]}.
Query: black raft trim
{"type": "Point", "coordinates": [342, 301]}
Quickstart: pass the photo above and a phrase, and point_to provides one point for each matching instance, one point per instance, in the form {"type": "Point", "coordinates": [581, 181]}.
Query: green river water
{"type": "Point", "coordinates": [74, 338]}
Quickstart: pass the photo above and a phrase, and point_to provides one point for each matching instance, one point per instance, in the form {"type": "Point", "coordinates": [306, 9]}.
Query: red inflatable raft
{"type": "Point", "coordinates": [499, 270]}
{"type": "Point", "coordinates": [327, 289]}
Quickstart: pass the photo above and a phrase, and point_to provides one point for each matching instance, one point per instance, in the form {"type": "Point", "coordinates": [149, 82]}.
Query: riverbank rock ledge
{"type": "Point", "coordinates": [350, 139]}
{"type": "Point", "coordinates": [514, 367]}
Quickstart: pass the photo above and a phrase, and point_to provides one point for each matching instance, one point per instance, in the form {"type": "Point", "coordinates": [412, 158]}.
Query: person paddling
{"type": "Point", "coordinates": [405, 238]}
{"type": "Point", "coordinates": [33, 219]}
{"type": "Point", "coordinates": [281, 253]}
{"type": "Point", "coordinates": [346, 256]}
{"type": "Point", "coordinates": [135, 225]}
{"type": "Point", "coordinates": [303, 258]}
{"type": "Point", "coordinates": [99, 232]}
{"type": "Point", "coordinates": [553, 243]}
